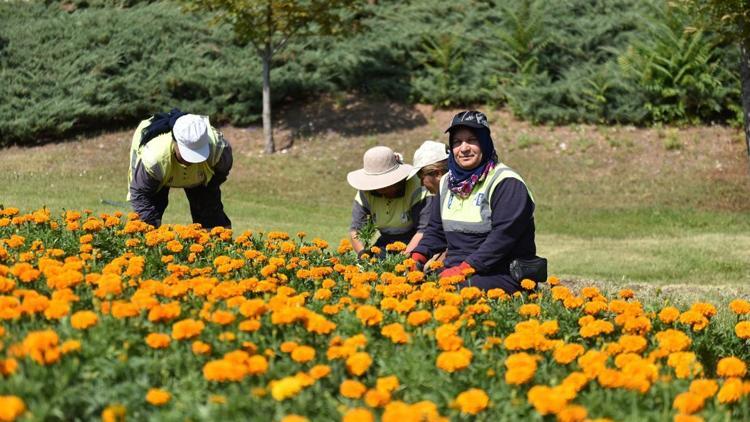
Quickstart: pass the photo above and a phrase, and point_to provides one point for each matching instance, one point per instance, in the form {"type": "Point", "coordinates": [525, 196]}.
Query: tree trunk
{"type": "Point", "coordinates": [745, 80]}
{"type": "Point", "coordinates": [267, 127]}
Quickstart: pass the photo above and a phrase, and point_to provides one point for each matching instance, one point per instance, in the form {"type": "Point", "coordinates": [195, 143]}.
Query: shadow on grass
{"type": "Point", "coordinates": [348, 116]}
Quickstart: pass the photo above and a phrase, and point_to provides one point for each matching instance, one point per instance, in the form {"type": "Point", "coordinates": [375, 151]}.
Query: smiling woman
{"type": "Point", "coordinates": [483, 212]}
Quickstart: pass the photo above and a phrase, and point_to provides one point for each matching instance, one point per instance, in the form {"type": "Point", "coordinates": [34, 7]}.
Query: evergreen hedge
{"type": "Point", "coordinates": [77, 65]}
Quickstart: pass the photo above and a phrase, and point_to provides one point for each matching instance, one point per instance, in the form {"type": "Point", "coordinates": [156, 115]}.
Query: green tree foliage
{"type": "Point", "coordinates": [268, 25]}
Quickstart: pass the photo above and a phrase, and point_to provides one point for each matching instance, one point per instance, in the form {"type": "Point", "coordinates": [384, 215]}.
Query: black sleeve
{"type": "Point", "coordinates": [512, 211]}
{"type": "Point", "coordinates": [359, 215]}
{"type": "Point", "coordinates": [144, 198]}
{"type": "Point", "coordinates": [225, 161]}
{"type": "Point", "coordinates": [420, 213]}
{"type": "Point", "coordinates": [433, 239]}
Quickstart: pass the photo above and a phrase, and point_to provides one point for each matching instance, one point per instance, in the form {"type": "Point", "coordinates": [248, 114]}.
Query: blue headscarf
{"type": "Point", "coordinates": [461, 181]}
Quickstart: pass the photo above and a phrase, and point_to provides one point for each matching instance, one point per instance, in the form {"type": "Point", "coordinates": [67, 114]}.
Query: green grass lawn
{"type": "Point", "coordinates": [614, 204]}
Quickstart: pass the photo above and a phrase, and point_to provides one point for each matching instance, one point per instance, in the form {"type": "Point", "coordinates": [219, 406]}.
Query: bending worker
{"type": "Point", "coordinates": [398, 205]}
{"type": "Point", "coordinates": [483, 212]}
{"type": "Point", "coordinates": [179, 150]}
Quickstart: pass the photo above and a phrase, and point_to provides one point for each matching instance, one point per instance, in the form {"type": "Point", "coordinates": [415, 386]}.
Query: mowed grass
{"type": "Point", "coordinates": [618, 205]}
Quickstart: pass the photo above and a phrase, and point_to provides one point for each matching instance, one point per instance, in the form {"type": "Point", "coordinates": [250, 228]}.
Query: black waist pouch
{"type": "Point", "coordinates": [532, 268]}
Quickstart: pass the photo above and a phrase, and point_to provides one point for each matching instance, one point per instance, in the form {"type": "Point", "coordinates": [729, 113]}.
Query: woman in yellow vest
{"type": "Point", "coordinates": [483, 212]}
{"type": "Point", "coordinates": [397, 204]}
{"type": "Point", "coordinates": [179, 150]}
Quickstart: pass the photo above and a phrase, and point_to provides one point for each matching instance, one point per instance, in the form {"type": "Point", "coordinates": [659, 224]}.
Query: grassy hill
{"type": "Point", "coordinates": [616, 204]}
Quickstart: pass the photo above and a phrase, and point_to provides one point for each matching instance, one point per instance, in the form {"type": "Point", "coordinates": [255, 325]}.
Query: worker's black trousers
{"type": "Point", "coordinates": [205, 203]}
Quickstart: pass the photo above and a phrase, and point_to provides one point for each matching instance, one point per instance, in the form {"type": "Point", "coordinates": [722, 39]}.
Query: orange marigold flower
{"type": "Point", "coordinates": [358, 414]}
{"type": "Point", "coordinates": [11, 408]}
{"type": "Point", "coordinates": [545, 400]}
{"type": "Point", "coordinates": [200, 348]}
{"type": "Point", "coordinates": [742, 329]}
{"type": "Point", "coordinates": [369, 315]}
{"type": "Point", "coordinates": [157, 340]}
{"type": "Point", "coordinates": [530, 310]}
{"type": "Point", "coordinates": [740, 306]}
{"type": "Point", "coordinates": [352, 389]}
{"type": "Point", "coordinates": [669, 314]}
{"type": "Point", "coordinates": [303, 354]}
{"type": "Point", "coordinates": [528, 284]}
{"type": "Point", "coordinates": [157, 396]}
{"type": "Point", "coordinates": [472, 401]}
{"type": "Point", "coordinates": [224, 370]}
{"type": "Point", "coordinates": [704, 387]}
{"type": "Point", "coordinates": [320, 371]}
{"type": "Point", "coordinates": [70, 346]}
{"type": "Point", "coordinates": [452, 361]}
{"type": "Point", "coordinates": [568, 353]}
{"type": "Point", "coordinates": [417, 318]}
{"type": "Point", "coordinates": [187, 329]}
{"type": "Point", "coordinates": [688, 402]}
{"type": "Point", "coordinates": [358, 363]}
{"type": "Point", "coordinates": [396, 333]}
{"type": "Point", "coordinates": [446, 313]}
{"type": "Point", "coordinates": [673, 340]}
{"type": "Point", "coordinates": [572, 413]}
{"type": "Point", "coordinates": [731, 367]}
{"type": "Point", "coordinates": [731, 391]}
{"type": "Point", "coordinates": [395, 247]}
{"type": "Point", "coordinates": [257, 364]}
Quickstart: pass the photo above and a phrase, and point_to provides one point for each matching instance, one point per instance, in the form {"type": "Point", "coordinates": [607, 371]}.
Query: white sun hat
{"type": "Point", "coordinates": [191, 133]}
{"type": "Point", "coordinates": [382, 168]}
{"type": "Point", "coordinates": [430, 152]}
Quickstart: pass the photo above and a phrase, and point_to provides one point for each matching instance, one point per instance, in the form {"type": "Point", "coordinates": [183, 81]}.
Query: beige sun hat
{"type": "Point", "coordinates": [430, 152]}
{"type": "Point", "coordinates": [382, 168]}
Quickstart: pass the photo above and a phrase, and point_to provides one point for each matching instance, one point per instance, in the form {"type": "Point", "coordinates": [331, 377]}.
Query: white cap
{"type": "Point", "coordinates": [191, 133]}
{"type": "Point", "coordinates": [430, 152]}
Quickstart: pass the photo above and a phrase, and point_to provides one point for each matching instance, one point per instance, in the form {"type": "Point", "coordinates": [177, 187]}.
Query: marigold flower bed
{"type": "Point", "coordinates": [104, 317]}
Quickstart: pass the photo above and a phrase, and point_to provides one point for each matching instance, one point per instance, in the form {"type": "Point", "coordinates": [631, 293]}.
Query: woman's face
{"type": "Point", "coordinates": [431, 180]}
{"type": "Point", "coordinates": [466, 149]}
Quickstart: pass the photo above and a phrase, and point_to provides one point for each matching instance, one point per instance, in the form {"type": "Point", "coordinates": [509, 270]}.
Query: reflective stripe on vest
{"type": "Point", "coordinates": [392, 216]}
{"type": "Point", "coordinates": [473, 214]}
{"type": "Point", "coordinates": [160, 162]}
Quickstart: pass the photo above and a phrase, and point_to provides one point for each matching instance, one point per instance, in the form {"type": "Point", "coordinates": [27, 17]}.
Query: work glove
{"type": "Point", "coordinates": [419, 261]}
{"type": "Point", "coordinates": [457, 270]}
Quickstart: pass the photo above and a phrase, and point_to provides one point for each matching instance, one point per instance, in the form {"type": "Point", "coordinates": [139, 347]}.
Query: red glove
{"type": "Point", "coordinates": [457, 270]}
{"type": "Point", "coordinates": [419, 257]}
{"type": "Point", "coordinates": [419, 261]}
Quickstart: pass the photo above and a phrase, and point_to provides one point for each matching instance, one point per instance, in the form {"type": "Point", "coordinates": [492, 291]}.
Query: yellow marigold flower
{"type": "Point", "coordinates": [358, 363]}
{"type": "Point", "coordinates": [157, 396]}
{"type": "Point", "coordinates": [200, 348]}
{"type": "Point", "coordinates": [82, 320]}
{"type": "Point", "coordinates": [285, 388]}
{"type": "Point", "coordinates": [530, 310]}
{"type": "Point", "coordinates": [249, 325]}
{"type": "Point", "coordinates": [257, 364]}
{"type": "Point", "coordinates": [742, 329]}
{"type": "Point", "coordinates": [114, 413]}
{"type": "Point", "coordinates": [158, 340]}
{"type": "Point", "coordinates": [395, 247]}
{"type": "Point", "coordinates": [70, 346]}
{"type": "Point", "coordinates": [387, 384]}
{"type": "Point", "coordinates": [740, 306]}
{"type": "Point", "coordinates": [320, 371]}
{"type": "Point", "coordinates": [731, 367]}
{"type": "Point", "coordinates": [303, 354]}
{"type": "Point", "coordinates": [568, 353]}
{"type": "Point", "coordinates": [694, 318]}
{"type": "Point", "coordinates": [187, 329]}
{"type": "Point", "coordinates": [224, 370]}
{"type": "Point", "coordinates": [688, 402]}
{"type": "Point", "coordinates": [288, 346]}
{"type": "Point", "coordinates": [446, 313]}
{"type": "Point", "coordinates": [633, 344]}
{"type": "Point", "coordinates": [11, 407]}
{"type": "Point", "coordinates": [352, 389]}
{"type": "Point", "coordinates": [358, 414]}
{"type": "Point", "coordinates": [521, 368]}
{"type": "Point", "coordinates": [528, 284]}
{"type": "Point", "coordinates": [731, 391]}
{"type": "Point", "coordinates": [472, 401]}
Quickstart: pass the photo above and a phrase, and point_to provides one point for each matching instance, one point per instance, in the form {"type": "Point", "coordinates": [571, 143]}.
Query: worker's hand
{"type": "Point", "coordinates": [419, 261]}
{"type": "Point", "coordinates": [364, 254]}
{"type": "Point", "coordinates": [462, 269]}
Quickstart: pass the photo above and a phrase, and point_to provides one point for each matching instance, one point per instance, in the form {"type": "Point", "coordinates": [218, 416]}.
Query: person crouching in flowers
{"type": "Point", "coordinates": [483, 212]}
{"type": "Point", "coordinates": [397, 204]}
{"type": "Point", "coordinates": [430, 165]}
